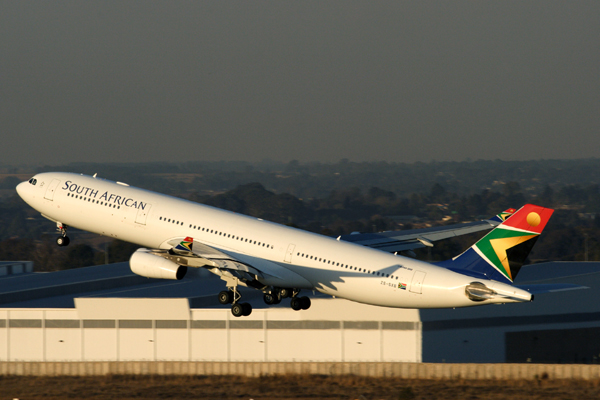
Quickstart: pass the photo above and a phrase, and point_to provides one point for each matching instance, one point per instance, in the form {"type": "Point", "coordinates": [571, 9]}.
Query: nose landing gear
{"type": "Point", "coordinates": [63, 239]}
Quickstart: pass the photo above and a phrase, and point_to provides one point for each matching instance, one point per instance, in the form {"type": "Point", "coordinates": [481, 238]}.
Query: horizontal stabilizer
{"type": "Point", "coordinates": [550, 287]}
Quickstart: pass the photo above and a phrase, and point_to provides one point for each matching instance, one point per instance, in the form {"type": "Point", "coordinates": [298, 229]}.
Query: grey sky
{"type": "Point", "coordinates": [308, 80]}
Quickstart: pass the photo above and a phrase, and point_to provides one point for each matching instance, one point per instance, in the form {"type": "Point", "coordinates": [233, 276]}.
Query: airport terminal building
{"type": "Point", "coordinates": [107, 313]}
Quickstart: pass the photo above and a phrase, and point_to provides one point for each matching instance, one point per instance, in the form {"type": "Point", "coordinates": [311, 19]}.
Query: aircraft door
{"type": "Point", "coordinates": [416, 285]}
{"type": "Point", "coordinates": [289, 253]}
{"type": "Point", "coordinates": [142, 214]}
{"type": "Point", "coordinates": [51, 189]}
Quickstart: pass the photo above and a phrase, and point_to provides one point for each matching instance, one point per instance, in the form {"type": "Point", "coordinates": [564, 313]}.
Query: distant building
{"type": "Point", "coordinates": [108, 313]}
{"type": "Point", "coordinates": [15, 267]}
{"type": "Point", "coordinates": [554, 328]}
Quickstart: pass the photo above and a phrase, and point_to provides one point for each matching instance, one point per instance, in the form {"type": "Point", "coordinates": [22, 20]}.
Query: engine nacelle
{"type": "Point", "coordinates": [144, 263]}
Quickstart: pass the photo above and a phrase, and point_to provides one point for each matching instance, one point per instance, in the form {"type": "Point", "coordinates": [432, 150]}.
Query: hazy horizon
{"type": "Point", "coordinates": [314, 81]}
{"type": "Point", "coordinates": [267, 161]}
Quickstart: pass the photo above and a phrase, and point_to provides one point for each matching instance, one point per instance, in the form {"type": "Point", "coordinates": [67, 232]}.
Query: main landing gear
{"type": "Point", "coordinates": [63, 239]}
{"type": "Point", "coordinates": [232, 296]}
{"type": "Point", "coordinates": [297, 303]}
{"type": "Point", "coordinates": [300, 303]}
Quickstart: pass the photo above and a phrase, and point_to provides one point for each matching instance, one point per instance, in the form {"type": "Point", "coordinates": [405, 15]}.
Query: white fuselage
{"type": "Point", "coordinates": [313, 261]}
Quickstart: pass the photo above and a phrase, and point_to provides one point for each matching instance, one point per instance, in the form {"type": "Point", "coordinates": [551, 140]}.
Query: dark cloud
{"type": "Point", "coordinates": [311, 80]}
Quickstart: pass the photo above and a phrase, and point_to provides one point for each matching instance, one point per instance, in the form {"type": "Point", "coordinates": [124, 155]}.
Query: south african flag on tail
{"type": "Point", "coordinates": [500, 254]}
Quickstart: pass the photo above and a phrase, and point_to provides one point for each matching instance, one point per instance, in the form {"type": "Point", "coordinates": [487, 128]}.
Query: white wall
{"type": "Point", "coordinates": [332, 330]}
{"type": "Point", "coordinates": [305, 345]}
{"type": "Point", "coordinates": [100, 344]}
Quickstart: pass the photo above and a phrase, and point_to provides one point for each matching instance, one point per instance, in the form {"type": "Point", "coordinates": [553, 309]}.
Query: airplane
{"type": "Point", "coordinates": [281, 261]}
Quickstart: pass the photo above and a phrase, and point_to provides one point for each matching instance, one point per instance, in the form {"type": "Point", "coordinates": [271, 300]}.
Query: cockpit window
{"type": "Point", "coordinates": [33, 181]}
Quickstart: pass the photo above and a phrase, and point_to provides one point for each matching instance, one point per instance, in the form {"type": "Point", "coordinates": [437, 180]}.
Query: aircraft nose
{"type": "Point", "coordinates": [21, 188]}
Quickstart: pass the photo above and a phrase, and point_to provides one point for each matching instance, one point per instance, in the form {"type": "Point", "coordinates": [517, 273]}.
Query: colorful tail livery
{"type": "Point", "coordinates": [500, 254]}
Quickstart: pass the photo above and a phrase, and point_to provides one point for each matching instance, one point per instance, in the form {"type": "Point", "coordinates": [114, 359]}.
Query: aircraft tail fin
{"type": "Point", "coordinates": [500, 254]}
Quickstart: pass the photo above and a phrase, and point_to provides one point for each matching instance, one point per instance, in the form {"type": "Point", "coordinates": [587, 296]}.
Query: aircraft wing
{"type": "Point", "coordinates": [181, 252]}
{"type": "Point", "coordinates": [252, 271]}
{"type": "Point", "coordinates": [393, 241]}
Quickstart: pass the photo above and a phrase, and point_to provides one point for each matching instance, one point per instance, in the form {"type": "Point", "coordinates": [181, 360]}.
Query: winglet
{"type": "Point", "coordinates": [186, 244]}
{"type": "Point", "coordinates": [503, 216]}
{"type": "Point", "coordinates": [500, 254]}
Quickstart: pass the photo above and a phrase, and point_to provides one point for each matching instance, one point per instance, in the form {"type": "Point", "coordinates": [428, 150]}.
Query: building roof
{"type": "Point", "coordinates": [59, 289]}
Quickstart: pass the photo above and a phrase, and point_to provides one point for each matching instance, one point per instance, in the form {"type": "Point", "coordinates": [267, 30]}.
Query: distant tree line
{"type": "Point", "coordinates": [317, 180]}
{"type": "Point", "coordinates": [340, 202]}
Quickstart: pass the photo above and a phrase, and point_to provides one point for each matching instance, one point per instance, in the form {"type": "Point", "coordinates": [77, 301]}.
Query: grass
{"type": "Point", "coordinates": [286, 387]}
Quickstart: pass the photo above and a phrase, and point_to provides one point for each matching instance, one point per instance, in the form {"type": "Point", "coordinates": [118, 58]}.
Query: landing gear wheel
{"type": "Point", "coordinates": [225, 297]}
{"type": "Point", "coordinates": [270, 298]}
{"type": "Point", "coordinates": [62, 241]}
{"type": "Point", "coordinates": [296, 304]}
{"type": "Point", "coordinates": [241, 309]}
{"type": "Point", "coordinates": [305, 302]}
{"type": "Point", "coordinates": [247, 309]}
{"type": "Point", "coordinates": [285, 292]}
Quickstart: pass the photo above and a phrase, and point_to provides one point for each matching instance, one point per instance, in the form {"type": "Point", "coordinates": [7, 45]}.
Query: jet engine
{"type": "Point", "coordinates": [145, 263]}
{"type": "Point", "coordinates": [477, 291]}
